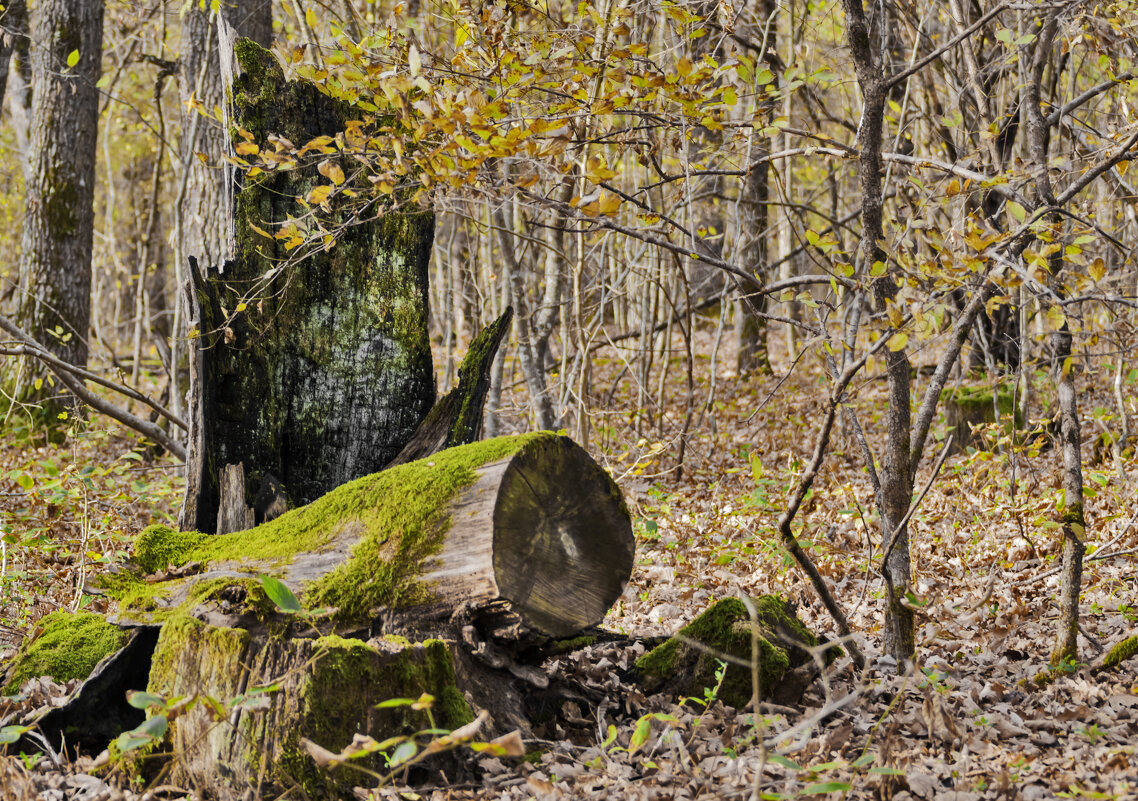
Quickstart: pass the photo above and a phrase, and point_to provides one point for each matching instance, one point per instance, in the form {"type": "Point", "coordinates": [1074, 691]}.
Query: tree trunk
{"type": "Point", "coordinates": [55, 268]}
{"type": "Point", "coordinates": [318, 372]}
{"type": "Point", "coordinates": [204, 210]}
{"type": "Point", "coordinates": [896, 473]}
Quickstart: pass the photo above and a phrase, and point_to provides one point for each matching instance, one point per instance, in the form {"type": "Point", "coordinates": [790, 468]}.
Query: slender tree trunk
{"type": "Point", "coordinates": [55, 268]}
{"type": "Point", "coordinates": [1033, 63]}
{"type": "Point", "coordinates": [896, 473]}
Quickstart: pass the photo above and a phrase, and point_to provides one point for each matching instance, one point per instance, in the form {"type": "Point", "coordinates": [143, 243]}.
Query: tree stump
{"type": "Point", "coordinates": [967, 408]}
{"type": "Point", "coordinates": [317, 370]}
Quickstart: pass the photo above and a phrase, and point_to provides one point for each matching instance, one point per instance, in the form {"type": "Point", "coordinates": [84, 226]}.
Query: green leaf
{"type": "Point", "coordinates": [10, 734]}
{"type": "Point", "coordinates": [640, 734]}
{"type": "Point", "coordinates": [141, 700]}
{"type": "Point", "coordinates": [72, 58]}
{"type": "Point", "coordinates": [392, 702]}
{"type": "Point", "coordinates": [403, 753]}
{"type": "Point", "coordinates": [821, 788]}
{"type": "Point", "coordinates": [1017, 211]}
{"type": "Point", "coordinates": [886, 771]}
{"type": "Point", "coordinates": [280, 594]}
{"type": "Point", "coordinates": [778, 759]}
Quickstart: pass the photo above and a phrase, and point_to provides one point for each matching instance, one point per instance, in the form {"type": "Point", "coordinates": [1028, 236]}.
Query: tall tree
{"type": "Point", "coordinates": [55, 267]}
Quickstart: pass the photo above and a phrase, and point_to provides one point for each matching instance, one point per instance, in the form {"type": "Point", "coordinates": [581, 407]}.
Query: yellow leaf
{"type": "Point", "coordinates": [72, 58]}
{"type": "Point", "coordinates": [331, 170]}
{"type": "Point", "coordinates": [247, 149]}
{"type": "Point", "coordinates": [319, 195]}
{"type": "Point", "coordinates": [1097, 269]}
{"type": "Point", "coordinates": [897, 341]}
{"type": "Point", "coordinates": [310, 18]}
{"type": "Point", "coordinates": [1056, 318]}
{"type": "Point", "coordinates": [1019, 214]}
{"type": "Point", "coordinates": [240, 307]}
{"type": "Point", "coordinates": [952, 189]}
{"type": "Point", "coordinates": [597, 169]}
{"type": "Point", "coordinates": [895, 316]}
{"type": "Point", "coordinates": [608, 203]}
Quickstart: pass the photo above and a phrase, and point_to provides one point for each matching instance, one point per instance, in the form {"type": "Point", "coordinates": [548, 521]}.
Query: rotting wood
{"type": "Point", "coordinates": [457, 418]}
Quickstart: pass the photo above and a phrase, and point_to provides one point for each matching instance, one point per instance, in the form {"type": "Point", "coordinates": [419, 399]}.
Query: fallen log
{"type": "Point", "coordinates": [528, 528]}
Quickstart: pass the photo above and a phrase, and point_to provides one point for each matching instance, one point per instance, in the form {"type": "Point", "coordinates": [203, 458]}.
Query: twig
{"type": "Point", "coordinates": [74, 383]}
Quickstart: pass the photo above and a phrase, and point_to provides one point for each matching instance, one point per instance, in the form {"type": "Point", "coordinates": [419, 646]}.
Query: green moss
{"type": "Point", "coordinates": [404, 530]}
{"type": "Point", "coordinates": [682, 666]}
{"type": "Point", "coordinates": [69, 647]}
{"type": "Point", "coordinates": [1121, 652]}
{"type": "Point", "coordinates": [158, 547]}
{"type": "Point", "coordinates": [573, 644]}
{"type": "Point", "coordinates": [340, 689]}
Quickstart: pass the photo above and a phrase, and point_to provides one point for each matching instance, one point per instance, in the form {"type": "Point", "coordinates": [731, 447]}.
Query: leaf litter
{"type": "Point", "coordinates": [981, 718]}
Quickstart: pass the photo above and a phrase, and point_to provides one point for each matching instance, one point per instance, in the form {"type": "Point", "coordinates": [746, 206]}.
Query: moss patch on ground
{"type": "Point", "coordinates": [68, 647]}
{"type": "Point", "coordinates": [1121, 652]}
{"type": "Point", "coordinates": [686, 664]}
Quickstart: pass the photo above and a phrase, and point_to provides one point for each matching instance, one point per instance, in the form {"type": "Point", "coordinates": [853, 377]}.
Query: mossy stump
{"type": "Point", "coordinates": [686, 664]}
{"type": "Point", "coordinates": [324, 689]}
{"type": "Point", "coordinates": [968, 408]}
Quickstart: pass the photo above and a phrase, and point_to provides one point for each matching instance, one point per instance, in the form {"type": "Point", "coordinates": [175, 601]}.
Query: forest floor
{"type": "Point", "coordinates": [972, 722]}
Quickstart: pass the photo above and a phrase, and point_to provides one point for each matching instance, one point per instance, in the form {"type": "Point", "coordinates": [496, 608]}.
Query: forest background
{"type": "Point", "coordinates": [754, 250]}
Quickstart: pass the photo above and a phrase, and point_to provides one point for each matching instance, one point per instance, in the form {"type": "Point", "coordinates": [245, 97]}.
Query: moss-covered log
{"type": "Point", "coordinates": [529, 526]}
{"type": "Point", "coordinates": [317, 370]}
{"type": "Point", "coordinates": [686, 664]}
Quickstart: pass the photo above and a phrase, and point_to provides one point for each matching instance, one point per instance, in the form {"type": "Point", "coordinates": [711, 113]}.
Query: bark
{"type": "Point", "coordinates": [457, 418]}
{"type": "Point", "coordinates": [55, 267]}
{"type": "Point", "coordinates": [1033, 64]}
{"type": "Point", "coordinates": [326, 373]}
{"type": "Point", "coordinates": [1074, 524]}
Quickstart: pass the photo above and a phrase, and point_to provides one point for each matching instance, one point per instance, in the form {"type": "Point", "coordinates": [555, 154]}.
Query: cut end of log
{"type": "Point", "coordinates": [563, 541]}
